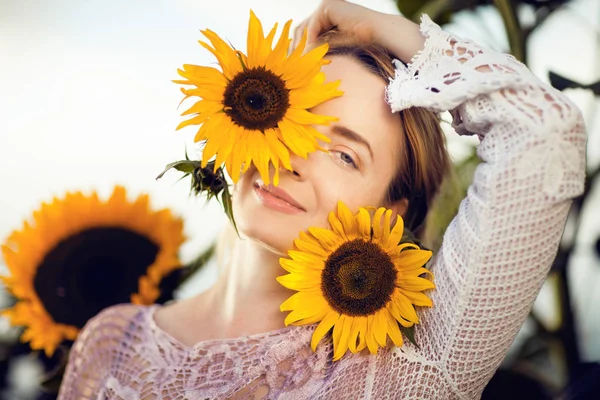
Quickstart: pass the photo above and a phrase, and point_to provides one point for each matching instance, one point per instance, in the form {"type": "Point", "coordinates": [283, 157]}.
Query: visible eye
{"type": "Point", "coordinates": [344, 158]}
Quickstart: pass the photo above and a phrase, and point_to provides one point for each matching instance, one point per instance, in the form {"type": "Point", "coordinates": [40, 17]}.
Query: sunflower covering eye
{"type": "Point", "coordinates": [79, 255]}
{"type": "Point", "coordinates": [357, 278]}
{"type": "Point", "coordinates": [254, 111]}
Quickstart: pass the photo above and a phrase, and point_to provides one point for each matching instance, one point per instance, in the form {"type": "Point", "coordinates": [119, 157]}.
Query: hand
{"type": "Point", "coordinates": [348, 18]}
{"type": "Point", "coordinates": [395, 33]}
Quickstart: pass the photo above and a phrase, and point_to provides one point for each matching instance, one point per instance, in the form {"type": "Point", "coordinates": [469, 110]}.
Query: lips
{"type": "Point", "coordinates": [278, 193]}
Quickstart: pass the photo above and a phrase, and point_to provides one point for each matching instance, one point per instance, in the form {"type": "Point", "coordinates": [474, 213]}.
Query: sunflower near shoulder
{"type": "Point", "coordinates": [358, 278]}
{"type": "Point", "coordinates": [255, 110]}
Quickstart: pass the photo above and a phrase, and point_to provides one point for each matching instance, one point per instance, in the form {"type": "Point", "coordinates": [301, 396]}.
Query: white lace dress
{"type": "Point", "coordinates": [494, 258]}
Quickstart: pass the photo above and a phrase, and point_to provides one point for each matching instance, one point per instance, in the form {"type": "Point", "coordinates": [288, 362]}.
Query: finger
{"type": "Point", "coordinates": [318, 23]}
{"type": "Point", "coordinates": [298, 32]}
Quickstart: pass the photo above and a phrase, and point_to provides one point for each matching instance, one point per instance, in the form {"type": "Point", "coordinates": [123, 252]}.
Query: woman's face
{"type": "Point", "coordinates": [357, 169]}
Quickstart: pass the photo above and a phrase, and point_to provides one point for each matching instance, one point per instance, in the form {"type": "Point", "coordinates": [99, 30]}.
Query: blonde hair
{"type": "Point", "coordinates": [423, 161]}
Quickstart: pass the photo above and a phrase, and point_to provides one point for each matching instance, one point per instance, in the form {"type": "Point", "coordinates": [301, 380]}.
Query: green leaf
{"type": "Point", "coordinates": [409, 333]}
{"type": "Point", "coordinates": [183, 166]}
{"type": "Point", "coordinates": [228, 206]}
{"type": "Point", "coordinates": [409, 8]}
{"type": "Point", "coordinates": [514, 31]}
{"type": "Point", "coordinates": [438, 10]}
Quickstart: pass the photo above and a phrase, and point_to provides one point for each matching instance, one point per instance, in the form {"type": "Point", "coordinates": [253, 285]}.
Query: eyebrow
{"type": "Point", "coordinates": [351, 135]}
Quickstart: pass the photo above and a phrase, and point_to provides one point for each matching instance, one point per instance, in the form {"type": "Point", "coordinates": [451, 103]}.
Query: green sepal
{"type": "Point", "coordinates": [228, 207]}
{"type": "Point", "coordinates": [409, 333]}
{"type": "Point", "coordinates": [187, 166]}
{"type": "Point", "coordinates": [208, 180]}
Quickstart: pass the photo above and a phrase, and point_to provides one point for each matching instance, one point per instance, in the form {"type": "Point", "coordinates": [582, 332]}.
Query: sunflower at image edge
{"type": "Point", "coordinates": [255, 111]}
{"type": "Point", "coordinates": [80, 255]}
{"type": "Point", "coordinates": [357, 278]}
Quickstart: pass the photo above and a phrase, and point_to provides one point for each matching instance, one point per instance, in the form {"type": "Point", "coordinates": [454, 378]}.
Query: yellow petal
{"type": "Point", "coordinates": [260, 154]}
{"type": "Point", "coordinates": [225, 148]}
{"type": "Point", "coordinates": [278, 148]}
{"type": "Point", "coordinates": [324, 326]}
{"type": "Point", "coordinates": [306, 257]}
{"type": "Point", "coordinates": [305, 300]}
{"type": "Point", "coordinates": [417, 298]}
{"type": "Point", "coordinates": [296, 138]}
{"type": "Point", "coordinates": [356, 341]}
{"type": "Point", "coordinates": [380, 324]}
{"type": "Point", "coordinates": [397, 232]}
{"type": "Point", "coordinates": [377, 231]}
{"type": "Point", "coordinates": [370, 336]}
{"type": "Point", "coordinates": [295, 282]}
{"type": "Point", "coordinates": [394, 251]}
{"type": "Point", "coordinates": [275, 59]}
{"type": "Point", "coordinates": [394, 330]}
{"type": "Point", "coordinates": [364, 224]}
{"type": "Point", "coordinates": [258, 46]}
{"type": "Point", "coordinates": [226, 56]}
{"type": "Point", "coordinates": [200, 75]}
{"type": "Point", "coordinates": [297, 267]}
{"type": "Point", "coordinates": [409, 259]}
{"type": "Point", "coordinates": [220, 125]}
{"type": "Point", "coordinates": [239, 154]}
{"type": "Point", "coordinates": [305, 117]}
{"type": "Point", "coordinates": [311, 247]}
{"type": "Point", "coordinates": [314, 94]}
{"type": "Point", "coordinates": [204, 107]}
{"type": "Point", "coordinates": [300, 70]}
{"type": "Point", "coordinates": [350, 225]}
{"type": "Point", "coordinates": [341, 333]}
{"type": "Point", "coordinates": [414, 284]}
{"type": "Point", "coordinates": [207, 92]}
{"type": "Point", "coordinates": [295, 316]}
{"type": "Point", "coordinates": [401, 308]}
{"type": "Point", "coordinates": [193, 121]}
{"type": "Point", "coordinates": [385, 235]}
{"type": "Point", "coordinates": [337, 226]}
{"type": "Point", "coordinates": [328, 239]}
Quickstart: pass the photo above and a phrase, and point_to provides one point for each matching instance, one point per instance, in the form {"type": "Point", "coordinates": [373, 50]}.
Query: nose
{"type": "Point", "coordinates": [299, 167]}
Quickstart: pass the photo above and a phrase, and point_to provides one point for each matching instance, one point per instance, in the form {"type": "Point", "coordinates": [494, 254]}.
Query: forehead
{"type": "Point", "coordinates": [362, 108]}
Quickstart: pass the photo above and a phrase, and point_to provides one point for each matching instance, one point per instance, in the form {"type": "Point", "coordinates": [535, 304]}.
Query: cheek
{"type": "Point", "coordinates": [351, 187]}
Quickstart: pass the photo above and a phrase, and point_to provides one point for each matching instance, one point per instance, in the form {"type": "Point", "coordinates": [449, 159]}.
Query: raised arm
{"type": "Point", "coordinates": [498, 250]}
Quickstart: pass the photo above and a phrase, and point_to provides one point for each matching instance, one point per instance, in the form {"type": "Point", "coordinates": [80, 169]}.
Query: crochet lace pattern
{"type": "Point", "coordinates": [495, 256]}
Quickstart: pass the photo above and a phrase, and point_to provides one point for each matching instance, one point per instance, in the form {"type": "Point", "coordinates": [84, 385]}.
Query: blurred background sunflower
{"type": "Point", "coordinates": [79, 255]}
{"type": "Point", "coordinates": [86, 96]}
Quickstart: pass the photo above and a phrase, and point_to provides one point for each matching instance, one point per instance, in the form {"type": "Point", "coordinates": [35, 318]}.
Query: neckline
{"type": "Point", "coordinates": [204, 343]}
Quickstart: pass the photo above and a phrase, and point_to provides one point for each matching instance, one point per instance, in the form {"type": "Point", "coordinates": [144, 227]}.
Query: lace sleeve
{"type": "Point", "coordinates": [498, 250]}
{"type": "Point", "coordinates": [95, 353]}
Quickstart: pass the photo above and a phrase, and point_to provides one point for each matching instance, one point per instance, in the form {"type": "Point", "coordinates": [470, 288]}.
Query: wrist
{"type": "Point", "coordinates": [398, 35]}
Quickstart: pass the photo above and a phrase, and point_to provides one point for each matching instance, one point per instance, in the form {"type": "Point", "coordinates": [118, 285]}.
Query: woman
{"type": "Point", "coordinates": [230, 342]}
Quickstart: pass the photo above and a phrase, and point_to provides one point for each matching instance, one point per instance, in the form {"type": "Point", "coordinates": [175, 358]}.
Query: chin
{"type": "Point", "coordinates": [271, 231]}
{"type": "Point", "coordinates": [276, 231]}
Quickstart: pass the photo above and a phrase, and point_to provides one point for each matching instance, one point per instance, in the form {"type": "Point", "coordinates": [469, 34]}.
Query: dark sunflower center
{"type": "Point", "coordinates": [92, 270]}
{"type": "Point", "coordinates": [358, 278]}
{"type": "Point", "coordinates": [256, 99]}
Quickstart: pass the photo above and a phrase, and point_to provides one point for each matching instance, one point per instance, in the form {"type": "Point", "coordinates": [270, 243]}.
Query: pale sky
{"type": "Point", "coordinates": [87, 102]}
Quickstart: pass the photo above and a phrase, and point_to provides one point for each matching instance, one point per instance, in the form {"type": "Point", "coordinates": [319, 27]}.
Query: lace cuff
{"type": "Point", "coordinates": [444, 74]}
